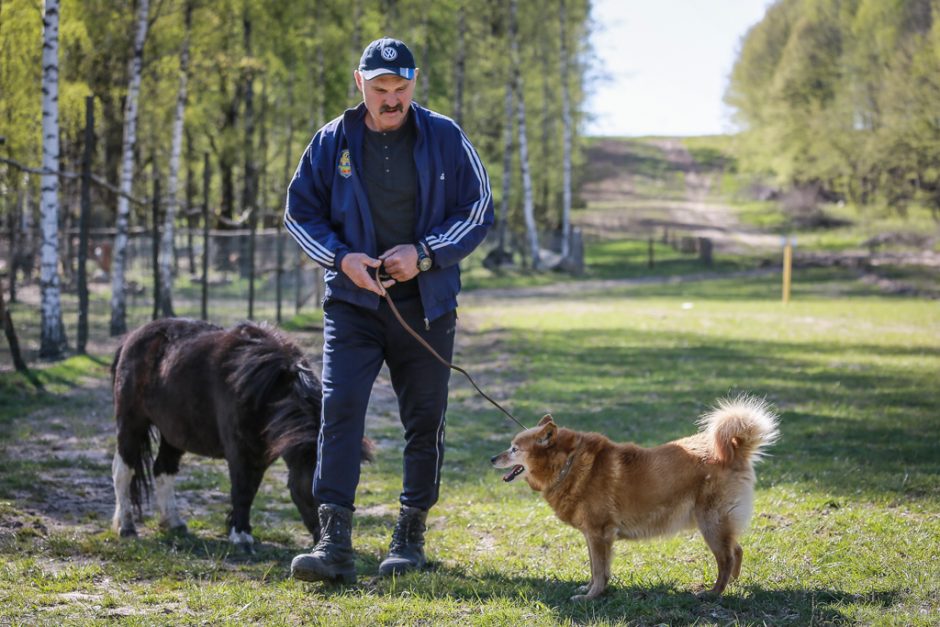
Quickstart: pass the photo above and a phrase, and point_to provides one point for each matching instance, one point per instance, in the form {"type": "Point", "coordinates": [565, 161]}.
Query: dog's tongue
{"type": "Point", "coordinates": [512, 474]}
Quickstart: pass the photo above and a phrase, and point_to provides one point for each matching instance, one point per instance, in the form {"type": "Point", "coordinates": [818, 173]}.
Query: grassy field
{"type": "Point", "coordinates": [847, 516]}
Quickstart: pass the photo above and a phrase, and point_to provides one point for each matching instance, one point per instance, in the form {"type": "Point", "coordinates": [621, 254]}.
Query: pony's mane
{"type": "Point", "coordinates": [272, 379]}
{"type": "Point", "coordinates": [257, 357]}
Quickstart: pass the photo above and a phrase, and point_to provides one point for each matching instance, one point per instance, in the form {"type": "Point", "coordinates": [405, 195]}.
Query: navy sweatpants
{"type": "Point", "coordinates": [356, 342]}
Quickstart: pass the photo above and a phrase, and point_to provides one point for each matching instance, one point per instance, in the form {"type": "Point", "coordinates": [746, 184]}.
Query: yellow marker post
{"type": "Point", "coordinates": [787, 266]}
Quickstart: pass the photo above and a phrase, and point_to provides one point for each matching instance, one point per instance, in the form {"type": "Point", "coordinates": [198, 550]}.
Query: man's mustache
{"type": "Point", "coordinates": [386, 108]}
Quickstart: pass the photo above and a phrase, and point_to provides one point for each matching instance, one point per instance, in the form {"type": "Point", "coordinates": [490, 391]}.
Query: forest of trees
{"type": "Point", "coordinates": [843, 96]}
{"type": "Point", "coordinates": [248, 82]}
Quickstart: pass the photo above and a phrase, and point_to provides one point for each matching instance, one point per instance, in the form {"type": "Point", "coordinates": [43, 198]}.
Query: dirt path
{"type": "Point", "coordinates": [622, 204]}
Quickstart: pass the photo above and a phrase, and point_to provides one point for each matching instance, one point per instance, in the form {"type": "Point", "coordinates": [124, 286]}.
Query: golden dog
{"type": "Point", "coordinates": [612, 491]}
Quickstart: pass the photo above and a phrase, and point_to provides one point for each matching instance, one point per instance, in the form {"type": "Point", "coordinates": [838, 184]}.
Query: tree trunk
{"type": "Point", "coordinates": [169, 220]}
{"type": "Point", "coordinates": [566, 137]}
{"type": "Point", "coordinates": [459, 64]}
{"type": "Point", "coordinates": [356, 47]}
{"type": "Point", "coordinates": [250, 187]}
{"type": "Point", "coordinates": [190, 196]}
{"type": "Point", "coordinates": [426, 58]}
{"type": "Point", "coordinates": [84, 218]}
{"type": "Point", "coordinates": [52, 334]}
{"type": "Point", "coordinates": [119, 261]}
{"type": "Point", "coordinates": [527, 205]}
{"type": "Point", "coordinates": [507, 169]}
{"type": "Point", "coordinates": [28, 250]}
{"type": "Point", "coordinates": [288, 164]}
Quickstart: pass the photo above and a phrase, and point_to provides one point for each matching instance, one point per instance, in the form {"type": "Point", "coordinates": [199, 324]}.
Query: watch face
{"type": "Point", "coordinates": [424, 264]}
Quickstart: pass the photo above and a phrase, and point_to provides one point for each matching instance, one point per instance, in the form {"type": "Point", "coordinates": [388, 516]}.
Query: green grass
{"type": "Point", "coordinates": [847, 516]}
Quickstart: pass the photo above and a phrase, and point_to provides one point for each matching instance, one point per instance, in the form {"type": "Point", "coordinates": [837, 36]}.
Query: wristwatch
{"type": "Point", "coordinates": [424, 262]}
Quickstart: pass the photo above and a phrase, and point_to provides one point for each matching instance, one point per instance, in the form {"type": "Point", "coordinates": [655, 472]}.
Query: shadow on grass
{"type": "Point", "coordinates": [655, 602]}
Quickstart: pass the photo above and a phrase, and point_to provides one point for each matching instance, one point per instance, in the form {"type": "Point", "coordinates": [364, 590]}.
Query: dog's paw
{"type": "Point", "coordinates": [580, 598]}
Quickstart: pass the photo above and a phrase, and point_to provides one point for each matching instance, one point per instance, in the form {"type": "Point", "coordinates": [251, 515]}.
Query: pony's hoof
{"type": "Point", "coordinates": [242, 540]}
{"type": "Point", "coordinates": [128, 532]}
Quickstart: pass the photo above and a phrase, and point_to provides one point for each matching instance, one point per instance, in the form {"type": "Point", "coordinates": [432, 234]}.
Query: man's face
{"type": "Point", "coordinates": [387, 99]}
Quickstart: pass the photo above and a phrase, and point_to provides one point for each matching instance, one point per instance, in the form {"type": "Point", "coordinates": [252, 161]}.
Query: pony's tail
{"type": "Point", "coordinates": [741, 428]}
{"type": "Point", "coordinates": [139, 456]}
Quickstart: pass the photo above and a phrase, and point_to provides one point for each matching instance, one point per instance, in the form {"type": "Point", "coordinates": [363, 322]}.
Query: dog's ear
{"type": "Point", "coordinates": [547, 437]}
{"type": "Point", "coordinates": [547, 418]}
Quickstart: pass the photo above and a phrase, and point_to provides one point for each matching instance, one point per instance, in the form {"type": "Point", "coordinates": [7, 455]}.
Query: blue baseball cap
{"type": "Point", "coordinates": [387, 56]}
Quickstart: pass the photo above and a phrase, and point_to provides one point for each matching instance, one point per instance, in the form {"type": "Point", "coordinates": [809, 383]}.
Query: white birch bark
{"type": "Point", "coordinates": [169, 232]}
{"type": "Point", "coordinates": [507, 168]}
{"type": "Point", "coordinates": [52, 332]}
{"type": "Point", "coordinates": [566, 137]}
{"type": "Point", "coordinates": [119, 261]}
{"type": "Point", "coordinates": [528, 206]}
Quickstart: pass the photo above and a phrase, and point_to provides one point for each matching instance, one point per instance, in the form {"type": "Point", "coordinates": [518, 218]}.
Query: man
{"type": "Point", "coordinates": [388, 196]}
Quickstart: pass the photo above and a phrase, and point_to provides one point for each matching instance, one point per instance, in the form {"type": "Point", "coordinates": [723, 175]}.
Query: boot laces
{"type": "Point", "coordinates": [331, 531]}
{"type": "Point", "coordinates": [408, 531]}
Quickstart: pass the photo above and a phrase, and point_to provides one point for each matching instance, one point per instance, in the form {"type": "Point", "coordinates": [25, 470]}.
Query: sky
{"type": "Point", "coordinates": [662, 66]}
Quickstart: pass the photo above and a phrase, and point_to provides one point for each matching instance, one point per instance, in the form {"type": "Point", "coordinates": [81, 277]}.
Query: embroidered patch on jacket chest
{"type": "Point", "coordinates": [345, 167]}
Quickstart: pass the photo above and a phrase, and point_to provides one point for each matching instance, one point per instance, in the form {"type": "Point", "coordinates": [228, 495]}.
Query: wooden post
{"type": "Point", "coordinates": [253, 225]}
{"type": "Point", "coordinates": [155, 248]}
{"type": "Point", "coordinates": [83, 224]}
{"type": "Point", "coordinates": [297, 277]}
{"type": "Point", "coordinates": [279, 271]}
{"type": "Point", "coordinates": [705, 250]}
{"type": "Point", "coordinates": [205, 237]}
{"type": "Point", "coordinates": [787, 265]}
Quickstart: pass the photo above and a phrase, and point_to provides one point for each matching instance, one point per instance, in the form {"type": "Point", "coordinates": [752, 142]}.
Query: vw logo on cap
{"type": "Point", "coordinates": [389, 53]}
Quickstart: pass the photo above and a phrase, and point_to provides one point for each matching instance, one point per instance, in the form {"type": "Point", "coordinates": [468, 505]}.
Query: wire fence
{"type": "Point", "coordinates": [242, 284]}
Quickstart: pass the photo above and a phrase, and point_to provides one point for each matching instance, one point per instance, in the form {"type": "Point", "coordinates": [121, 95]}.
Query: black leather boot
{"type": "Point", "coordinates": [332, 559]}
{"type": "Point", "coordinates": [406, 551]}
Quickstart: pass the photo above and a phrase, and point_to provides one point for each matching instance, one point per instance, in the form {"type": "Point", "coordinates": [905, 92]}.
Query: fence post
{"type": "Point", "coordinates": [279, 271]}
{"type": "Point", "coordinates": [205, 236]}
{"type": "Point", "coordinates": [83, 224]}
{"type": "Point", "coordinates": [155, 247]}
{"type": "Point", "coordinates": [252, 226]}
{"type": "Point", "coordinates": [297, 277]}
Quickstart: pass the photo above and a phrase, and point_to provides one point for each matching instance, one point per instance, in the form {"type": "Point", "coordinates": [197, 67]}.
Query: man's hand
{"type": "Point", "coordinates": [401, 262]}
{"type": "Point", "coordinates": [356, 267]}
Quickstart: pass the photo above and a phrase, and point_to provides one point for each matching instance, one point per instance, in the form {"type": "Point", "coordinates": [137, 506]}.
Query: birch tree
{"type": "Point", "coordinates": [119, 263]}
{"type": "Point", "coordinates": [52, 333]}
{"type": "Point", "coordinates": [166, 244]}
{"type": "Point", "coordinates": [507, 168]}
{"type": "Point", "coordinates": [528, 205]}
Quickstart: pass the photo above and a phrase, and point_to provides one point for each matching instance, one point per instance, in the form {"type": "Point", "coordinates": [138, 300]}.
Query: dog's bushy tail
{"type": "Point", "coordinates": [741, 427]}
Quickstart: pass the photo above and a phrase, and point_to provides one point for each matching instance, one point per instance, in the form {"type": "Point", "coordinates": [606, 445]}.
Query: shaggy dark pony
{"type": "Point", "coordinates": [246, 394]}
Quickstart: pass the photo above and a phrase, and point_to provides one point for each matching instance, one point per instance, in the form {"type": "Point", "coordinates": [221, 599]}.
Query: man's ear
{"type": "Point", "coordinates": [547, 418]}
{"type": "Point", "coordinates": [547, 437]}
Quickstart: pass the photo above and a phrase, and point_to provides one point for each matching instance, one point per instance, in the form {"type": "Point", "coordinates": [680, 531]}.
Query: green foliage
{"type": "Point", "coordinates": [844, 95]}
{"type": "Point", "coordinates": [298, 64]}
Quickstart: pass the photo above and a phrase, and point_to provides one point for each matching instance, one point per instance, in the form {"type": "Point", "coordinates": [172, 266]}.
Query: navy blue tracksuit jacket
{"type": "Point", "coordinates": [328, 214]}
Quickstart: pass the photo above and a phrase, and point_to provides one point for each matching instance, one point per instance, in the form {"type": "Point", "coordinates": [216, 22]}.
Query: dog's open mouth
{"type": "Point", "coordinates": [512, 474]}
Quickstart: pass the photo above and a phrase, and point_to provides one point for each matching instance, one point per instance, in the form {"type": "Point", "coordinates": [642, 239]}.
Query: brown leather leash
{"type": "Point", "coordinates": [424, 343]}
